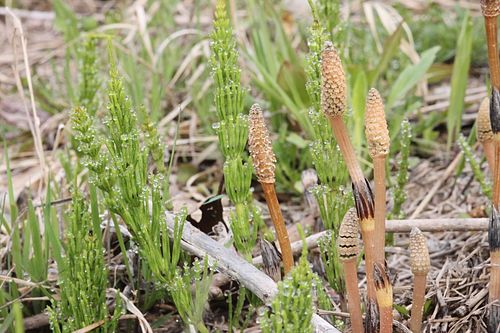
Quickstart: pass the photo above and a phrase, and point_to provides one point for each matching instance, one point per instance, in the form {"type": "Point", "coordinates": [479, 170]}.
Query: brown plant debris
{"type": "Point", "coordinates": [271, 259]}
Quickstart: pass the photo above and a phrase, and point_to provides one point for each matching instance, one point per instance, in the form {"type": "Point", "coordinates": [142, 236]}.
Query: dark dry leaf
{"type": "Point", "coordinates": [211, 215]}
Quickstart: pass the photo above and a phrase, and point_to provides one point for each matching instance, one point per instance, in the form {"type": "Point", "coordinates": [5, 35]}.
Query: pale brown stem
{"type": "Point", "coordinates": [489, 152]}
{"type": "Point", "coordinates": [496, 174]}
{"type": "Point", "coordinates": [346, 148]}
{"type": "Point", "coordinates": [368, 234]}
{"type": "Point", "coordinates": [279, 225]}
{"type": "Point", "coordinates": [353, 295]}
{"type": "Point", "coordinates": [380, 193]}
{"type": "Point", "coordinates": [385, 319]}
{"type": "Point", "coordinates": [493, 60]}
{"type": "Point", "coordinates": [417, 308]}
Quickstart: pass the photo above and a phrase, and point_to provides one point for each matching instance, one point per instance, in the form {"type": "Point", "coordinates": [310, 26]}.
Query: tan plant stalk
{"type": "Point", "coordinates": [420, 264]}
{"type": "Point", "coordinates": [333, 99]}
{"type": "Point", "coordinates": [377, 136]}
{"type": "Point", "coordinates": [484, 133]}
{"type": "Point", "coordinates": [348, 246]}
{"type": "Point", "coordinates": [264, 162]}
{"type": "Point", "coordinates": [491, 9]}
{"type": "Point", "coordinates": [383, 289]}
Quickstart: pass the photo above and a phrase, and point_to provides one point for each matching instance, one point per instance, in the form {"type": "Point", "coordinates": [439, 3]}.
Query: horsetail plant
{"type": "Point", "coordinates": [83, 279]}
{"type": "Point", "coordinates": [491, 10]}
{"type": "Point", "coordinates": [292, 309]}
{"type": "Point", "coordinates": [348, 244]}
{"type": "Point", "coordinates": [403, 175]}
{"type": "Point", "coordinates": [474, 165]}
{"type": "Point", "coordinates": [119, 167]}
{"type": "Point", "coordinates": [333, 201]}
{"type": "Point", "coordinates": [377, 137]}
{"type": "Point", "coordinates": [189, 290]}
{"type": "Point", "coordinates": [264, 162]}
{"type": "Point", "coordinates": [484, 133]}
{"type": "Point", "coordinates": [232, 130]}
{"type": "Point", "coordinates": [494, 286]}
{"type": "Point", "coordinates": [333, 104]}
{"type": "Point", "coordinates": [420, 264]}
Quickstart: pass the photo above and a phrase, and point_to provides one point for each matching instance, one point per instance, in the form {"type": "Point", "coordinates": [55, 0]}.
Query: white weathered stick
{"type": "Point", "coordinates": [232, 264]}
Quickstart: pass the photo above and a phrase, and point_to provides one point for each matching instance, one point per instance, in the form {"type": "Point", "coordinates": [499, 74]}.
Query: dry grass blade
{"type": "Point", "coordinates": [34, 123]}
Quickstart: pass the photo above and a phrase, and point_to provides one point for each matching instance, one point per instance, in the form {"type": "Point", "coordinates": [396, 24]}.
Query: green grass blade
{"type": "Point", "coordinates": [410, 76]}
{"type": "Point", "coordinates": [358, 108]}
{"type": "Point", "coordinates": [18, 317]}
{"type": "Point", "coordinates": [10, 187]}
{"type": "Point", "coordinates": [391, 46]}
{"type": "Point", "coordinates": [51, 229]}
{"type": "Point", "coordinates": [37, 261]}
{"type": "Point", "coordinates": [459, 80]}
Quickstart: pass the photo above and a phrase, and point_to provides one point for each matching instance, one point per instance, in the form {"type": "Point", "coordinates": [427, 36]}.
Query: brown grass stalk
{"type": "Point", "coordinates": [383, 288]}
{"type": "Point", "coordinates": [333, 99]}
{"type": "Point", "coordinates": [420, 265]}
{"type": "Point", "coordinates": [348, 252]}
{"type": "Point", "coordinates": [377, 136]}
{"type": "Point", "coordinates": [264, 162]}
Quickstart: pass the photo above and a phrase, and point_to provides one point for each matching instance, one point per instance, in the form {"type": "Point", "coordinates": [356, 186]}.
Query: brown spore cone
{"type": "Point", "coordinates": [419, 253]}
{"type": "Point", "coordinates": [260, 146]}
{"type": "Point", "coordinates": [333, 83]}
{"type": "Point", "coordinates": [347, 242]}
{"type": "Point", "coordinates": [376, 131]}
